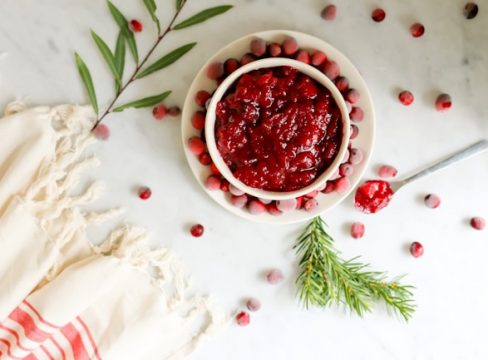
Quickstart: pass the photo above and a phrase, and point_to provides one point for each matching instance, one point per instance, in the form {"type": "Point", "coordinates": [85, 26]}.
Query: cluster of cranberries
{"type": "Point", "coordinates": [259, 49]}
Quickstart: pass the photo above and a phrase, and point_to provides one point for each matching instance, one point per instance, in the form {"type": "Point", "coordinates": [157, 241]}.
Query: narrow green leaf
{"type": "Point", "coordinates": [107, 55]}
{"type": "Point", "coordinates": [202, 16]}
{"type": "Point", "coordinates": [87, 81]}
{"type": "Point", "coordinates": [119, 59]}
{"type": "Point", "coordinates": [124, 27]}
{"type": "Point", "coordinates": [167, 60]}
{"type": "Point", "coordinates": [151, 7]}
{"type": "Point", "coordinates": [178, 4]}
{"type": "Point", "coordinates": [142, 103]}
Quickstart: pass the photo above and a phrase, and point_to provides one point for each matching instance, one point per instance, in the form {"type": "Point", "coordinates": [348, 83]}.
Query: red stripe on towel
{"type": "Point", "coordinates": [41, 319]}
{"type": "Point", "coordinates": [32, 332]}
{"type": "Point", "coordinates": [16, 336]}
{"type": "Point", "coordinates": [71, 334]}
{"type": "Point", "coordinates": [90, 337]}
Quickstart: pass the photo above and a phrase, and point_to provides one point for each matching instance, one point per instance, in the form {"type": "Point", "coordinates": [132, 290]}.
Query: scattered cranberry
{"type": "Point", "coordinates": [478, 223]}
{"type": "Point", "coordinates": [205, 158]}
{"type": "Point", "coordinates": [213, 182]}
{"type": "Point", "coordinates": [342, 185]}
{"type": "Point", "coordinates": [286, 205]}
{"type": "Point", "coordinates": [387, 171]}
{"type": "Point", "coordinates": [331, 69]}
{"type": "Point", "coordinates": [159, 111]}
{"type": "Point", "coordinates": [342, 83]}
{"type": "Point", "coordinates": [101, 132]}
{"type": "Point", "coordinates": [303, 56]}
{"type": "Point", "coordinates": [310, 204]}
{"type": "Point", "coordinates": [258, 47]}
{"type": "Point", "coordinates": [406, 97]}
{"type": "Point", "coordinates": [378, 15]}
{"type": "Point", "coordinates": [214, 169]}
{"type": "Point", "coordinates": [346, 169]}
{"type": "Point", "coordinates": [239, 201]}
{"type": "Point", "coordinates": [224, 185]}
{"type": "Point", "coordinates": [373, 196]}
{"type": "Point", "coordinates": [253, 304]}
{"type": "Point", "coordinates": [215, 70]}
{"type": "Point", "coordinates": [136, 26]}
{"type": "Point", "coordinates": [290, 46]}
{"type": "Point", "coordinates": [256, 207]}
{"type": "Point", "coordinates": [432, 201]}
{"type": "Point", "coordinates": [198, 120]}
{"type": "Point", "coordinates": [352, 95]}
{"type": "Point", "coordinates": [274, 277]}
{"type": "Point", "coordinates": [197, 230]}
{"type": "Point", "coordinates": [416, 249]}
{"type": "Point", "coordinates": [174, 111]}
{"type": "Point", "coordinates": [357, 230]}
{"type": "Point", "coordinates": [243, 318]}
{"type": "Point", "coordinates": [247, 58]}
{"type": "Point", "coordinates": [356, 114]}
{"type": "Point", "coordinates": [443, 102]}
{"type": "Point", "coordinates": [272, 209]}
{"type": "Point", "coordinates": [318, 58]}
{"type": "Point", "coordinates": [329, 12]}
{"type": "Point", "coordinates": [329, 187]}
{"type": "Point", "coordinates": [275, 49]}
{"type": "Point", "coordinates": [144, 193]}
{"type": "Point", "coordinates": [300, 201]}
{"type": "Point", "coordinates": [356, 156]}
{"type": "Point", "coordinates": [470, 10]}
{"type": "Point", "coordinates": [354, 131]}
{"type": "Point", "coordinates": [231, 65]}
{"type": "Point", "coordinates": [201, 97]}
{"type": "Point", "coordinates": [196, 145]}
{"type": "Point", "coordinates": [417, 30]}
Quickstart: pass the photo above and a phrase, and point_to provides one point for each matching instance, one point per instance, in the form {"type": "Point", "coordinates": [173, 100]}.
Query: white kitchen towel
{"type": "Point", "coordinates": [61, 297]}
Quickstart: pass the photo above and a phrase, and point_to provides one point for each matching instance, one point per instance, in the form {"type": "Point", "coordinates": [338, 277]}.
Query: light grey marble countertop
{"type": "Point", "coordinates": [37, 39]}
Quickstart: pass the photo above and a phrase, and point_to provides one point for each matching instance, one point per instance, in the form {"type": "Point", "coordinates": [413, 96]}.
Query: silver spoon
{"type": "Point", "coordinates": [474, 149]}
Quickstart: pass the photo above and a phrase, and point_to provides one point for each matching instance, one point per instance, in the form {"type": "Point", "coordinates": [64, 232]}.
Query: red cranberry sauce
{"type": "Point", "coordinates": [373, 196]}
{"type": "Point", "coordinates": [278, 129]}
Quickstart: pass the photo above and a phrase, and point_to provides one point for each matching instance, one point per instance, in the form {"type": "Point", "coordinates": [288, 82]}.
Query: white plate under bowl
{"type": "Point", "coordinates": [364, 141]}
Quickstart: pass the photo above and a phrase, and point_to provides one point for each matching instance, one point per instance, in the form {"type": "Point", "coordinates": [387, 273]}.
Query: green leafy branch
{"type": "Point", "coordinates": [325, 279]}
{"type": "Point", "coordinates": [116, 60]}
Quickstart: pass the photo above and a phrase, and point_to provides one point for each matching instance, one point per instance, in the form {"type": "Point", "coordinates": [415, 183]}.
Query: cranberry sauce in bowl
{"type": "Point", "coordinates": [279, 130]}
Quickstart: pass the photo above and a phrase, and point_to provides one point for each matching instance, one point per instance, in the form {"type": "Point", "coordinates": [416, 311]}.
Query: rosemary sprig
{"type": "Point", "coordinates": [116, 60]}
{"type": "Point", "coordinates": [325, 279]}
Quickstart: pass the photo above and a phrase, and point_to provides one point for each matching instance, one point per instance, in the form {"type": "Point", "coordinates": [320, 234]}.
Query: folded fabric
{"type": "Point", "coordinates": [61, 297]}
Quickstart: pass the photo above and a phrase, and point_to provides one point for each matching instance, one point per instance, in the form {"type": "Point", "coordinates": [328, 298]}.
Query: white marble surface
{"type": "Point", "coordinates": [38, 38]}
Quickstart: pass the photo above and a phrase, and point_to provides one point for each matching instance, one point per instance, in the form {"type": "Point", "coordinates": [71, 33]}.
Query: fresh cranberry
{"type": "Point", "coordinates": [387, 171]}
{"type": "Point", "coordinates": [286, 205]}
{"type": "Point", "coordinates": [243, 318]}
{"type": "Point", "coordinates": [198, 120]}
{"type": "Point", "coordinates": [331, 69]}
{"type": "Point", "coordinates": [136, 26]}
{"type": "Point", "coordinates": [352, 95]}
{"type": "Point", "coordinates": [300, 201]}
{"type": "Point", "coordinates": [478, 223]}
{"type": "Point", "coordinates": [197, 230]}
{"type": "Point", "coordinates": [342, 83]}
{"type": "Point", "coordinates": [196, 145]}
{"type": "Point", "coordinates": [201, 97]}
{"type": "Point", "coordinates": [272, 209]}
{"type": "Point", "coordinates": [373, 196]}
{"type": "Point", "coordinates": [247, 58]}
{"type": "Point", "coordinates": [231, 65]}
{"type": "Point", "coordinates": [378, 15]}
{"type": "Point", "coordinates": [253, 304]}
{"type": "Point", "coordinates": [303, 56]}
{"type": "Point", "coordinates": [318, 58]}
{"type": "Point", "coordinates": [356, 156]}
{"type": "Point", "coordinates": [274, 49]}
{"type": "Point", "coordinates": [205, 158]}
{"type": "Point", "coordinates": [213, 182]}
{"type": "Point", "coordinates": [174, 111]}
{"type": "Point", "coordinates": [342, 185]}
{"type": "Point", "coordinates": [329, 12]}
{"type": "Point", "coordinates": [258, 47]}
{"type": "Point", "coordinates": [443, 102]}
{"type": "Point", "coordinates": [214, 169]}
{"type": "Point", "coordinates": [354, 131]}
{"type": "Point", "coordinates": [215, 70]}
{"type": "Point", "coordinates": [432, 201]}
{"type": "Point", "coordinates": [356, 114]}
{"type": "Point", "coordinates": [224, 185]}
{"type": "Point", "coordinates": [144, 193]}
{"type": "Point", "coordinates": [274, 277]}
{"type": "Point", "coordinates": [256, 207]}
{"type": "Point", "coordinates": [417, 30]}
{"type": "Point", "coordinates": [346, 169]}
{"type": "Point", "coordinates": [470, 10]}
{"type": "Point", "coordinates": [101, 132]}
{"type": "Point", "coordinates": [357, 230]}
{"type": "Point", "coordinates": [310, 205]}
{"type": "Point", "coordinates": [416, 249]}
{"type": "Point", "coordinates": [290, 46]}
{"type": "Point", "coordinates": [329, 187]}
{"type": "Point", "coordinates": [159, 111]}
{"type": "Point", "coordinates": [406, 97]}
{"type": "Point", "coordinates": [239, 201]}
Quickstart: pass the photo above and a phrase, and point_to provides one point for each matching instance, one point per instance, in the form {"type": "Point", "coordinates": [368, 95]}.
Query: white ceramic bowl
{"type": "Point", "coordinates": [303, 68]}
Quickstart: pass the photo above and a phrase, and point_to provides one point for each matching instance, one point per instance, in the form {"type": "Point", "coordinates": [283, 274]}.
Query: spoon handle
{"type": "Point", "coordinates": [463, 154]}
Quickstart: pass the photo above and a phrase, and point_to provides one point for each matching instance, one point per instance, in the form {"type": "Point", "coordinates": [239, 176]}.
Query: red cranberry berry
{"type": "Point", "coordinates": [329, 12]}
{"type": "Point", "coordinates": [342, 185]}
{"type": "Point", "coordinates": [290, 46]}
{"type": "Point", "coordinates": [310, 205]}
{"type": "Point", "coordinates": [356, 156]}
{"type": "Point", "coordinates": [378, 15]}
{"type": "Point", "coordinates": [416, 249]}
{"type": "Point", "coordinates": [352, 95]}
{"type": "Point", "coordinates": [274, 277]}
{"type": "Point", "coordinates": [387, 171]}
{"type": "Point", "coordinates": [101, 132]}
{"type": "Point", "coordinates": [443, 102]}
{"type": "Point", "coordinates": [197, 230]}
{"type": "Point", "coordinates": [224, 186]}
{"type": "Point", "coordinates": [205, 159]}
{"type": "Point", "coordinates": [159, 111]}
{"type": "Point", "coordinates": [329, 187]}
{"type": "Point", "coordinates": [342, 83]}
{"type": "Point", "coordinates": [213, 182]}
{"type": "Point", "coordinates": [144, 193]}
{"type": "Point", "coordinates": [196, 145]}
{"type": "Point", "coordinates": [478, 223]}
{"type": "Point", "coordinates": [300, 201]}
{"type": "Point", "coordinates": [247, 58]}
{"type": "Point", "coordinates": [357, 230]}
{"type": "Point", "coordinates": [470, 10]}
{"type": "Point", "coordinates": [286, 205]}
{"type": "Point", "coordinates": [198, 120]}
{"type": "Point", "coordinates": [356, 114]}
{"type": "Point", "coordinates": [239, 201]}
{"type": "Point", "coordinates": [432, 201]}
{"type": "Point", "coordinates": [253, 304]}
{"type": "Point", "coordinates": [214, 169]}
{"type": "Point", "coordinates": [331, 69]}
{"type": "Point", "coordinates": [136, 26]}
{"type": "Point", "coordinates": [346, 169]}
{"type": "Point", "coordinates": [354, 131]}
{"type": "Point", "coordinates": [274, 49]}
{"type": "Point", "coordinates": [406, 97]}
{"type": "Point", "coordinates": [174, 111]}
{"type": "Point", "coordinates": [215, 70]}
{"type": "Point", "coordinates": [303, 56]}
{"type": "Point", "coordinates": [243, 318]}
{"type": "Point", "coordinates": [318, 58]}
{"type": "Point", "coordinates": [417, 30]}
{"type": "Point", "coordinates": [256, 207]}
{"type": "Point", "coordinates": [272, 209]}
{"type": "Point", "coordinates": [231, 65]}
{"type": "Point", "coordinates": [201, 97]}
{"type": "Point", "coordinates": [258, 47]}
